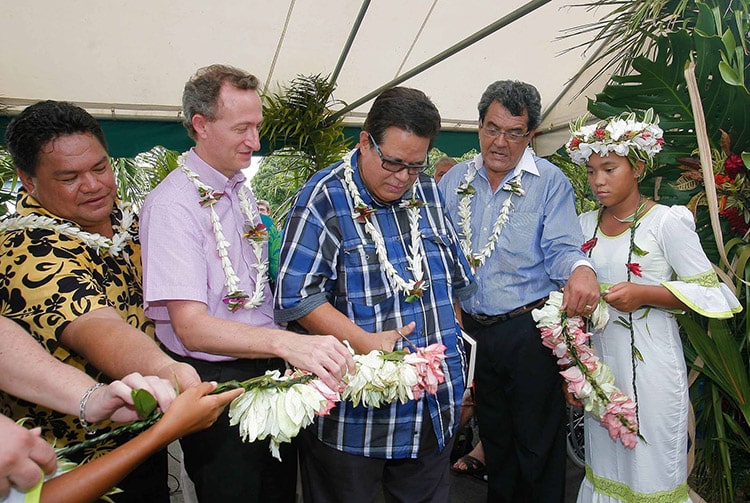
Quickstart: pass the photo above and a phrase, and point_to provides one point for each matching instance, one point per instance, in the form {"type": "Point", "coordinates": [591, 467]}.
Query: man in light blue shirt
{"type": "Point", "coordinates": [515, 216]}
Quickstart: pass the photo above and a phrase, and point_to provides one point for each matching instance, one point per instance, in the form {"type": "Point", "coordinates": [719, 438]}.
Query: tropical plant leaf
{"type": "Point", "coordinates": [722, 360]}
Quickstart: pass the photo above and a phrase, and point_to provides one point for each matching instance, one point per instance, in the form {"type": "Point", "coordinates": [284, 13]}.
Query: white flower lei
{"type": "Point", "coordinates": [413, 288]}
{"type": "Point", "coordinates": [102, 244]}
{"type": "Point", "coordinates": [235, 296]}
{"type": "Point", "coordinates": [467, 191]}
{"type": "Point", "coordinates": [619, 135]}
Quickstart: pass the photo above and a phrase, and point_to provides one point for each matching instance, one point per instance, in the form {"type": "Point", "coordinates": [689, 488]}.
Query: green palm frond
{"type": "Point", "coordinates": [8, 182]}
{"type": "Point", "coordinates": [137, 176]}
{"type": "Point", "coordinates": [299, 119]}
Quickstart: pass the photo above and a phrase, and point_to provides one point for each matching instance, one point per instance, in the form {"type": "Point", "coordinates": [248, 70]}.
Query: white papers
{"type": "Point", "coordinates": [471, 350]}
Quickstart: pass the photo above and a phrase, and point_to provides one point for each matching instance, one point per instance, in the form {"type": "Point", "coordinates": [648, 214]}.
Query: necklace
{"type": "Point", "coordinates": [414, 288]}
{"type": "Point", "coordinates": [123, 230]}
{"type": "Point", "coordinates": [631, 218]}
{"type": "Point", "coordinates": [256, 235]}
{"type": "Point", "coordinates": [467, 191]}
{"type": "Point", "coordinates": [632, 268]}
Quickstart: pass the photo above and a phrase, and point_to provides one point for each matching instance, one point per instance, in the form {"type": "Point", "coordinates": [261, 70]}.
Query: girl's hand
{"type": "Point", "coordinates": [625, 297]}
{"type": "Point", "coordinates": [194, 410]}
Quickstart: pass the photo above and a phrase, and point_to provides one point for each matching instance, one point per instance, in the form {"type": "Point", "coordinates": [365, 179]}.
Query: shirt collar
{"type": "Point", "coordinates": [526, 163]}
{"type": "Point", "coordinates": [211, 176]}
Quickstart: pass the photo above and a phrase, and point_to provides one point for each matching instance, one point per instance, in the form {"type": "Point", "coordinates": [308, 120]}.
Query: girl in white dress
{"type": "Point", "coordinates": [650, 264]}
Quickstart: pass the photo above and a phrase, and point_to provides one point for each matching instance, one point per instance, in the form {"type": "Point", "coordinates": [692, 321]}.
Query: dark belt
{"type": "Point", "coordinates": [487, 320]}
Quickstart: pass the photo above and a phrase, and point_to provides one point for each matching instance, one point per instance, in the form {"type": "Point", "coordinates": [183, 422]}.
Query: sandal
{"type": "Point", "coordinates": [474, 467]}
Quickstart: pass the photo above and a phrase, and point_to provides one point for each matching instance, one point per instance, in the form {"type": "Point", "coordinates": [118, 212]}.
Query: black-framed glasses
{"type": "Point", "coordinates": [395, 166]}
{"type": "Point", "coordinates": [514, 135]}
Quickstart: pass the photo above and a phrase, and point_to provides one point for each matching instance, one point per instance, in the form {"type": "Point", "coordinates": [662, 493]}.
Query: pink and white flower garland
{"type": "Point", "coordinates": [278, 406]}
{"type": "Point", "coordinates": [381, 378]}
{"type": "Point", "coordinates": [589, 379]}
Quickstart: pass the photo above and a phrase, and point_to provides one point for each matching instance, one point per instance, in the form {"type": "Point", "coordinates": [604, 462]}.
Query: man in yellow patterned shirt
{"type": "Point", "coordinates": [70, 271]}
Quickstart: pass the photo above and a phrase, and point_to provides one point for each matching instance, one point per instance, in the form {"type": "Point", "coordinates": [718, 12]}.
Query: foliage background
{"type": "Point", "coordinates": [652, 41]}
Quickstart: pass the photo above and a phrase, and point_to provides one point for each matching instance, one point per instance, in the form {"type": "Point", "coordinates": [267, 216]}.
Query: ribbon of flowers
{"type": "Point", "coordinates": [622, 135]}
{"type": "Point", "coordinates": [384, 377]}
{"type": "Point", "coordinates": [633, 268]}
{"type": "Point", "coordinates": [467, 191]}
{"type": "Point", "coordinates": [124, 229]}
{"type": "Point", "coordinates": [589, 379]}
{"type": "Point", "coordinates": [414, 288]}
{"type": "Point", "coordinates": [277, 406]}
{"type": "Point", "coordinates": [255, 233]}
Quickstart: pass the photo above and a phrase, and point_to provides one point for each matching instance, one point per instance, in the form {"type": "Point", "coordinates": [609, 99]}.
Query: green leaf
{"type": "Point", "coordinates": [728, 40]}
{"type": "Point", "coordinates": [394, 356]}
{"type": "Point", "coordinates": [639, 251]}
{"type": "Point", "coordinates": [723, 362]}
{"type": "Point", "coordinates": [637, 354]}
{"type": "Point", "coordinates": [730, 76]}
{"type": "Point", "coordinates": [145, 403]}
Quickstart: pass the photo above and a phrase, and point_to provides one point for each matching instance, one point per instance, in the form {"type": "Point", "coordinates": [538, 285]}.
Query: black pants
{"type": "Point", "coordinates": [333, 476]}
{"type": "Point", "coordinates": [221, 466]}
{"type": "Point", "coordinates": [147, 483]}
{"type": "Point", "coordinates": [521, 412]}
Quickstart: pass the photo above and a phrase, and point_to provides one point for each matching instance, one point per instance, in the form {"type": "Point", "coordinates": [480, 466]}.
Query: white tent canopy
{"type": "Point", "coordinates": [131, 59]}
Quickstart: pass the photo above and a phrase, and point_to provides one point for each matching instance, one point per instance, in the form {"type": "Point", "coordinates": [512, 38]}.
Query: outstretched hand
{"type": "Point", "coordinates": [194, 410]}
{"type": "Point", "coordinates": [24, 455]}
{"type": "Point", "coordinates": [384, 341]}
{"type": "Point", "coordinates": [581, 292]}
{"type": "Point", "coordinates": [323, 355]}
{"type": "Point", "coordinates": [114, 401]}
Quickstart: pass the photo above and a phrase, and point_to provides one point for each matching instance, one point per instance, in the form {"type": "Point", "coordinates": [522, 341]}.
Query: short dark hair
{"type": "Point", "coordinates": [43, 122]}
{"type": "Point", "coordinates": [516, 97]}
{"type": "Point", "coordinates": [201, 93]}
{"type": "Point", "coordinates": [405, 108]}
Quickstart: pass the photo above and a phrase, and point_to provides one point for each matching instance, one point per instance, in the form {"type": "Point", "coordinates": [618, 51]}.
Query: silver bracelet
{"type": "Point", "coordinates": [82, 409]}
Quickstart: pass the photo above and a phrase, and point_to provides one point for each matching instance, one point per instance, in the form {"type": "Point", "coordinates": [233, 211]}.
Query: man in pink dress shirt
{"type": "Point", "coordinates": [217, 312]}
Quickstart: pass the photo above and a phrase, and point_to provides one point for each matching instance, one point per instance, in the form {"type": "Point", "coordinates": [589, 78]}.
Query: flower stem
{"type": "Point", "coordinates": [128, 428]}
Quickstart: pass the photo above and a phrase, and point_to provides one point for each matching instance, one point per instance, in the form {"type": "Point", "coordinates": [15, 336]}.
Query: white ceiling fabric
{"type": "Point", "coordinates": [132, 58]}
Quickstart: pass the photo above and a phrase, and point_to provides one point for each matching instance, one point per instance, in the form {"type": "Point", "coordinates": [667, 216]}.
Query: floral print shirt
{"type": "Point", "coordinates": [47, 280]}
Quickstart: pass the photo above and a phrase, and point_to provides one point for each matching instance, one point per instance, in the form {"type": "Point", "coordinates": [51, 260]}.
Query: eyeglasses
{"type": "Point", "coordinates": [514, 135]}
{"type": "Point", "coordinates": [395, 166]}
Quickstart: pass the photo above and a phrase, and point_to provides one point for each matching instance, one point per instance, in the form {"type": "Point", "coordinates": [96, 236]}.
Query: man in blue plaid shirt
{"type": "Point", "coordinates": [369, 256]}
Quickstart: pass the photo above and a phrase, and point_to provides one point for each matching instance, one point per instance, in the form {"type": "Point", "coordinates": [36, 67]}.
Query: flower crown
{"type": "Point", "coordinates": [623, 135]}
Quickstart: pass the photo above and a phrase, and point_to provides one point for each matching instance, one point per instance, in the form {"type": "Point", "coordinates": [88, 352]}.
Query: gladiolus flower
{"type": "Point", "coordinates": [635, 268]}
{"type": "Point", "coordinates": [588, 245]}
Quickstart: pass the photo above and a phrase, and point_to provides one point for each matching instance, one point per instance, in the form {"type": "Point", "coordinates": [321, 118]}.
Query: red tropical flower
{"type": "Point", "coordinates": [363, 213]}
{"type": "Point", "coordinates": [720, 180]}
{"type": "Point", "coordinates": [588, 245]}
{"type": "Point", "coordinates": [635, 268]}
{"type": "Point", "coordinates": [256, 232]}
{"type": "Point", "coordinates": [736, 220]}
{"type": "Point", "coordinates": [733, 165]}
